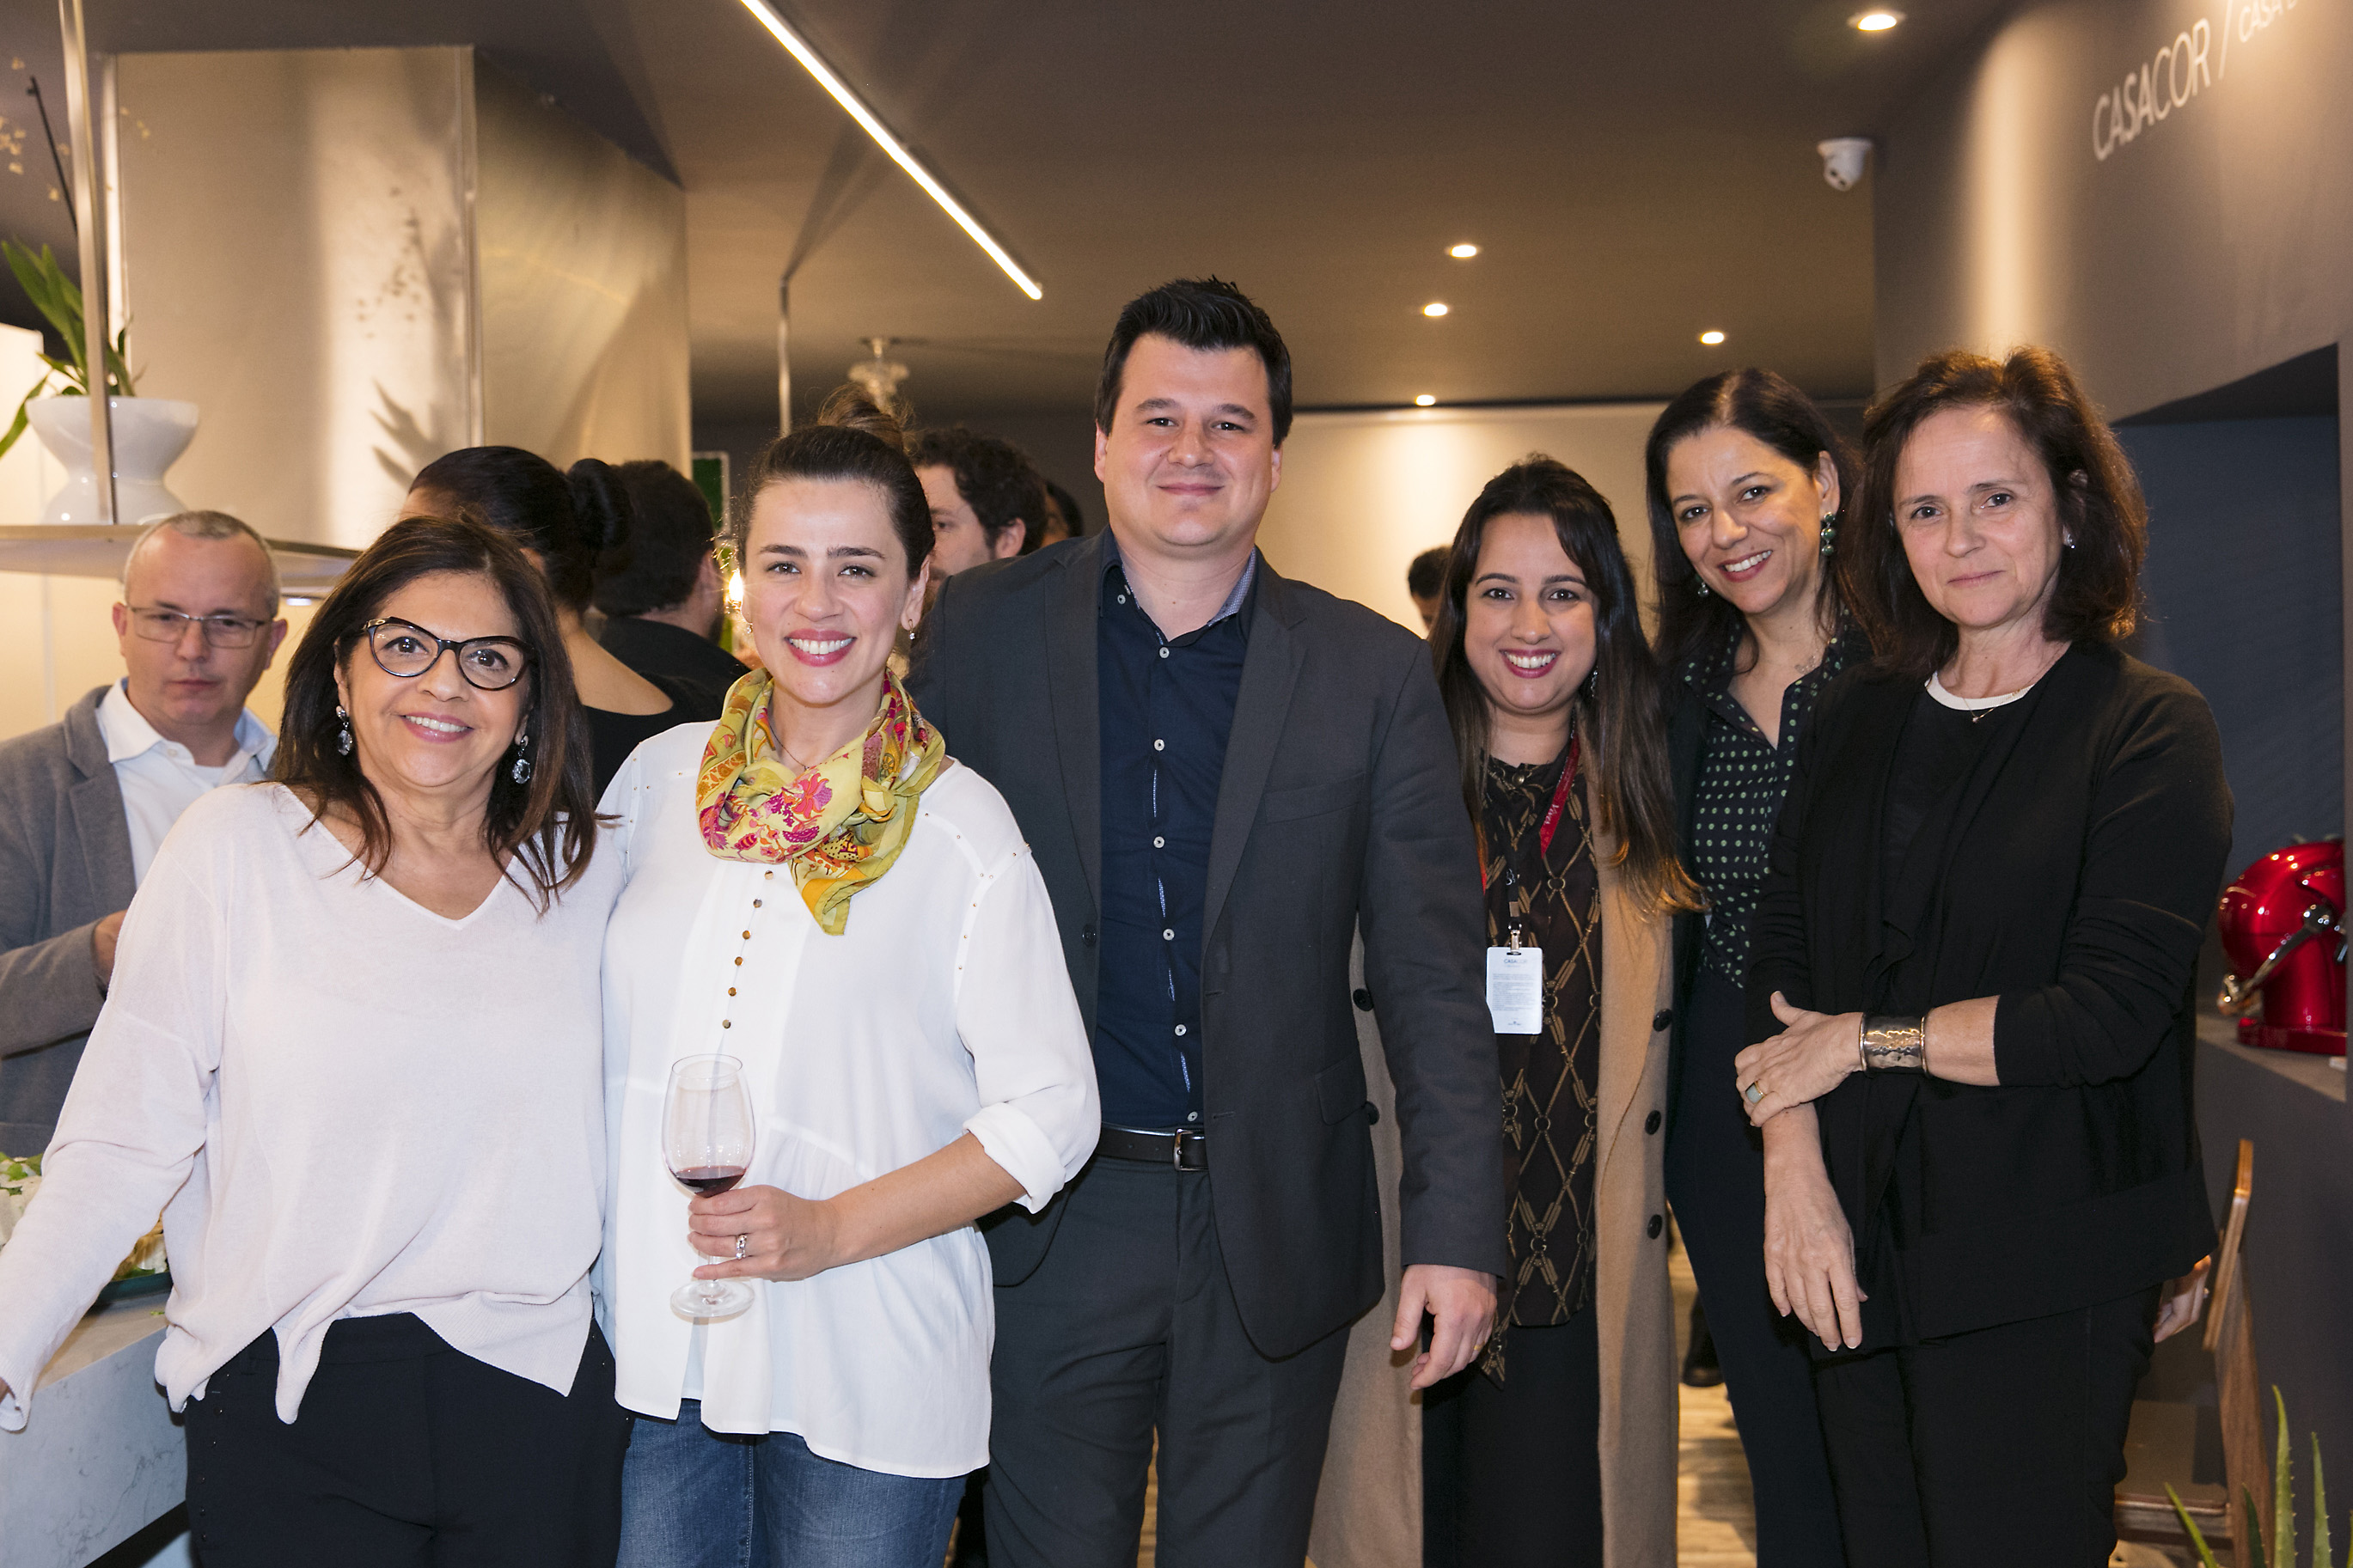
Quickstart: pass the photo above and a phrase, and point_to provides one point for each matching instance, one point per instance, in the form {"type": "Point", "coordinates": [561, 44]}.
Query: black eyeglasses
{"type": "Point", "coordinates": [169, 625]}
{"type": "Point", "coordinates": [405, 650]}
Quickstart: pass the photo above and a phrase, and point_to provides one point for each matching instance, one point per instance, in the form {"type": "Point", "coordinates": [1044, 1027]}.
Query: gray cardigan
{"type": "Point", "coordinates": [65, 865]}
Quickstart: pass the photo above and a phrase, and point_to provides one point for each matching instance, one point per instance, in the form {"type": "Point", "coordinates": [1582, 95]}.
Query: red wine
{"type": "Point", "coordinates": [711, 1178]}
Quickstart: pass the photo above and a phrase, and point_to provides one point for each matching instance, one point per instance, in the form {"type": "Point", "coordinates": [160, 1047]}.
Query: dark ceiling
{"type": "Point", "coordinates": [1635, 173]}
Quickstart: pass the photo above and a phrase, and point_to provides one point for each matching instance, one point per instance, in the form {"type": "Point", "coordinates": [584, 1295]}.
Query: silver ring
{"type": "Point", "coordinates": [742, 1243]}
{"type": "Point", "coordinates": [1754, 1092]}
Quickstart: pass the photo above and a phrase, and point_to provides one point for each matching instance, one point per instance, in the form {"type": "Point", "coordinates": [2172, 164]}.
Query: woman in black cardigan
{"type": "Point", "coordinates": [1971, 980]}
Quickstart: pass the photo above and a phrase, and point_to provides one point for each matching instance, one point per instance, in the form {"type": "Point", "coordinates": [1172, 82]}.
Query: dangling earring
{"type": "Point", "coordinates": [1829, 530]}
{"type": "Point", "coordinates": [343, 738]}
{"type": "Point", "coordinates": [1593, 682]}
{"type": "Point", "coordinates": [1703, 584]}
{"type": "Point", "coordinates": [520, 772]}
{"type": "Point", "coordinates": [2068, 540]}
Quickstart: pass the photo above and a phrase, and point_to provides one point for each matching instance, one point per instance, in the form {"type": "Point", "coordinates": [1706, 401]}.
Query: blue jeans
{"type": "Point", "coordinates": [693, 1498]}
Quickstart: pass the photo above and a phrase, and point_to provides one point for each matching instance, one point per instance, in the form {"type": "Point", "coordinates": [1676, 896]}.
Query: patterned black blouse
{"type": "Point", "coordinates": [1741, 780]}
{"type": "Point", "coordinates": [1549, 1078]}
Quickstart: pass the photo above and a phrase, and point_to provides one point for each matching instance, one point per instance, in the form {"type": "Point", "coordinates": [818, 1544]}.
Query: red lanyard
{"type": "Point", "coordinates": [1551, 816]}
{"type": "Point", "coordinates": [1559, 799]}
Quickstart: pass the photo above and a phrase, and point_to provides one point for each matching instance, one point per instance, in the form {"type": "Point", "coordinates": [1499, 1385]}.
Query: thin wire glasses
{"type": "Point", "coordinates": [405, 651]}
{"type": "Point", "coordinates": [170, 626]}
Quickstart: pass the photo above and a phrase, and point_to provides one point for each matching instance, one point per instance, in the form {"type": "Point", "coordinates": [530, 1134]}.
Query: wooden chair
{"type": "Point", "coordinates": [2161, 1447]}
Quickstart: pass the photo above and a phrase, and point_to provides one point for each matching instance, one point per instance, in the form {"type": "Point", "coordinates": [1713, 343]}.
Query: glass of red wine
{"type": "Point", "coordinates": [707, 1142]}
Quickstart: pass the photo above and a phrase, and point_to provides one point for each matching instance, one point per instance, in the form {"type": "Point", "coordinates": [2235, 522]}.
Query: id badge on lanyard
{"type": "Point", "coordinates": [1515, 975]}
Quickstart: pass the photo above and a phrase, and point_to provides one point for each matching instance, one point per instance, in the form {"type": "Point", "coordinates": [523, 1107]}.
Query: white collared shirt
{"type": "Point", "coordinates": [161, 778]}
{"type": "Point", "coordinates": [944, 1008]}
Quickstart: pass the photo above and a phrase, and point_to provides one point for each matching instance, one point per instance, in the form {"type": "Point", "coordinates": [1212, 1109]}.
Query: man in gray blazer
{"type": "Point", "coordinates": [84, 803]}
{"type": "Point", "coordinates": [1223, 776]}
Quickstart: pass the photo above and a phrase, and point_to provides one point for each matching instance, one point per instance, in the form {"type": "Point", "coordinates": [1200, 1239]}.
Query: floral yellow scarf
{"type": "Point", "coordinates": [841, 824]}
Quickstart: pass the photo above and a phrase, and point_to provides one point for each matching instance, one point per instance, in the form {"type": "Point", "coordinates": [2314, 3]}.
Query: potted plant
{"type": "Point", "coordinates": [150, 433]}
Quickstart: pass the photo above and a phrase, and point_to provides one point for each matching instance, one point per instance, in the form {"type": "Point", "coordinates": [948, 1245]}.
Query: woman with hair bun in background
{"type": "Point", "coordinates": [563, 518]}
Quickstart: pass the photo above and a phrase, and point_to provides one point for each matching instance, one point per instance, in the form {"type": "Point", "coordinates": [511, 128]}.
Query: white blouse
{"type": "Point", "coordinates": [944, 1007]}
{"type": "Point", "coordinates": [343, 1104]}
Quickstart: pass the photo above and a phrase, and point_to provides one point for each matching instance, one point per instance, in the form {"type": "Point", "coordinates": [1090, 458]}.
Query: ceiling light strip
{"type": "Point", "coordinates": [810, 62]}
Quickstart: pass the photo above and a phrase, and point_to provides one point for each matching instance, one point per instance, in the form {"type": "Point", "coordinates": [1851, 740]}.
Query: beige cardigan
{"type": "Point", "coordinates": [1368, 1510]}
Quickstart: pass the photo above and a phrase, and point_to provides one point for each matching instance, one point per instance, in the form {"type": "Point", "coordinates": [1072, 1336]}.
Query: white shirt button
{"type": "Point", "coordinates": [1164, 653]}
{"type": "Point", "coordinates": [1167, 935]}
{"type": "Point", "coordinates": [1159, 843]}
{"type": "Point", "coordinates": [1180, 1028]}
{"type": "Point", "coordinates": [1159, 745]}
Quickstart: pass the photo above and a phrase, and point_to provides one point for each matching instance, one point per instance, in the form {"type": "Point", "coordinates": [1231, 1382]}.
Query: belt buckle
{"type": "Point", "coordinates": [1176, 1145]}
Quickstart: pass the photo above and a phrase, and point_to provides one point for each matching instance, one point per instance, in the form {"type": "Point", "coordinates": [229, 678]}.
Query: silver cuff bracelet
{"type": "Point", "coordinates": [1895, 1045]}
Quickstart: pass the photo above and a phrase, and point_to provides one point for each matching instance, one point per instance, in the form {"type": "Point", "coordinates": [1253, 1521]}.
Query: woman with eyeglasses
{"type": "Point", "coordinates": [351, 1052]}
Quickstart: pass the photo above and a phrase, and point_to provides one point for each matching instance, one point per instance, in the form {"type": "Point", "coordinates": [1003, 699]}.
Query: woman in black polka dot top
{"type": "Point", "coordinates": [1745, 477]}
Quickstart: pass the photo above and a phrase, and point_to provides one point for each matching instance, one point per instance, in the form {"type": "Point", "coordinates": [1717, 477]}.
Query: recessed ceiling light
{"type": "Point", "coordinates": [1874, 21]}
{"type": "Point", "coordinates": [1435, 308]}
{"type": "Point", "coordinates": [1462, 252]}
{"type": "Point", "coordinates": [1710, 339]}
{"type": "Point", "coordinates": [1424, 401]}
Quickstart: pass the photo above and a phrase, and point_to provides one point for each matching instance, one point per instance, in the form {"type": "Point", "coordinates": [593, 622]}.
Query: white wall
{"type": "Point", "coordinates": [1363, 494]}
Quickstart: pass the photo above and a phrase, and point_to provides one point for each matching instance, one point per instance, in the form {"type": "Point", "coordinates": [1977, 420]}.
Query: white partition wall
{"type": "Point", "coordinates": [1364, 493]}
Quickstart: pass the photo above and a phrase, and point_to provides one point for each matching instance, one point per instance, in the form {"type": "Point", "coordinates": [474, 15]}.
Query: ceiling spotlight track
{"type": "Point", "coordinates": [871, 123]}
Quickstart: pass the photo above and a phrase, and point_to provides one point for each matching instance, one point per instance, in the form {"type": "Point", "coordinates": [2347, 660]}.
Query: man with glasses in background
{"type": "Point", "coordinates": [85, 802]}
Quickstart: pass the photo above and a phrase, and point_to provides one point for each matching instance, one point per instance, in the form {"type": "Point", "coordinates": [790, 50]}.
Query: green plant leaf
{"type": "Point", "coordinates": [24, 416]}
{"type": "Point", "coordinates": [2254, 1531]}
{"type": "Point", "coordinates": [2321, 1554]}
{"type": "Point", "coordinates": [2205, 1552]}
{"type": "Point", "coordinates": [2283, 1492]}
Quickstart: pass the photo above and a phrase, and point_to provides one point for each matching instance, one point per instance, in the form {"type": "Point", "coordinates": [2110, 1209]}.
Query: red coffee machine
{"type": "Point", "coordinates": [2284, 929]}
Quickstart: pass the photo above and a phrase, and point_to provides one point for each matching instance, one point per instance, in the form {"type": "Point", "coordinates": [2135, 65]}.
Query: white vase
{"type": "Point", "coordinates": [150, 433]}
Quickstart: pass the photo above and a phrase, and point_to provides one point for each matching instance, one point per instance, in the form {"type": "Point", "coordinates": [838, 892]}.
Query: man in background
{"type": "Point", "coordinates": [987, 502]}
{"type": "Point", "coordinates": [1425, 579]}
{"type": "Point", "coordinates": [658, 589]}
{"type": "Point", "coordinates": [85, 802]}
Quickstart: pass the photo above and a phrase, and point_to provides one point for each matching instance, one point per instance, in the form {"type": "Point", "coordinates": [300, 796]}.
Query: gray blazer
{"type": "Point", "coordinates": [65, 865]}
{"type": "Point", "coordinates": [1339, 808]}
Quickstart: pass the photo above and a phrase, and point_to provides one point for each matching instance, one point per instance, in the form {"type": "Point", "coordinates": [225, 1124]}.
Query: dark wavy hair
{"type": "Point", "coordinates": [854, 438]}
{"type": "Point", "coordinates": [1769, 406]}
{"type": "Point", "coordinates": [1204, 314]}
{"type": "Point", "coordinates": [2097, 595]}
{"type": "Point", "coordinates": [1623, 721]}
{"type": "Point", "coordinates": [995, 479]}
{"type": "Point", "coordinates": [566, 517]}
{"type": "Point", "coordinates": [548, 826]}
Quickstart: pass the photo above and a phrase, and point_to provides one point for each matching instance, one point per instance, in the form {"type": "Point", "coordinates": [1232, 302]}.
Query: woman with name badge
{"type": "Point", "coordinates": [1554, 699]}
{"type": "Point", "coordinates": [833, 977]}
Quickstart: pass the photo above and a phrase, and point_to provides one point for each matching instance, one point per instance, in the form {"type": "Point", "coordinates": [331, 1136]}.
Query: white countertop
{"type": "Point", "coordinates": [101, 1457]}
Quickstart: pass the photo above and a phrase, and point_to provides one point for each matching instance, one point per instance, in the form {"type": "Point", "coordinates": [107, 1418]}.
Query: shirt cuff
{"type": "Point", "coordinates": [1019, 1144]}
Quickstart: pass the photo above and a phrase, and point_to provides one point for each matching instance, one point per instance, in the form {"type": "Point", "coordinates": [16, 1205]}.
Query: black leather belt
{"type": "Point", "coordinates": [1182, 1150]}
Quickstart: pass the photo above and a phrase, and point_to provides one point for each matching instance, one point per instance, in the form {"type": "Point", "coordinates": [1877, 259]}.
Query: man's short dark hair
{"type": "Point", "coordinates": [1426, 578]}
{"type": "Point", "coordinates": [1203, 313]}
{"type": "Point", "coordinates": [994, 477]}
{"type": "Point", "coordinates": [653, 567]}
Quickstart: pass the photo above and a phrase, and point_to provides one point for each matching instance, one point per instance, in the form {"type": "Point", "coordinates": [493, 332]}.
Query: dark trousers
{"type": "Point", "coordinates": [2001, 1445]}
{"type": "Point", "coordinates": [1128, 1327]}
{"type": "Point", "coordinates": [407, 1453]}
{"type": "Point", "coordinates": [1511, 1474]}
{"type": "Point", "coordinates": [1715, 1180]}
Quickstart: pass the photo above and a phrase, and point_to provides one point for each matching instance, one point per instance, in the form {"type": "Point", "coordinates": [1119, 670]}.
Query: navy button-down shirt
{"type": "Point", "coordinates": [1166, 710]}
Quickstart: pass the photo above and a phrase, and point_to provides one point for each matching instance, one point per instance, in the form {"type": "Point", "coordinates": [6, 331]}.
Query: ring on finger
{"type": "Point", "coordinates": [1754, 1092]}
{"type": "Point", "coordinates": [743, 1245]}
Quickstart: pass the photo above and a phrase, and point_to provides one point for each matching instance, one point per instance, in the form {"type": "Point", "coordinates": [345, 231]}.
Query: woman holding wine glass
{"type": "Point", "coordinates": [823, 908]}
{"type": "Point", "coordinates": [349, 1052]}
